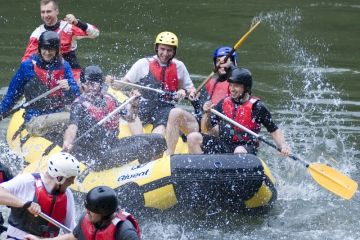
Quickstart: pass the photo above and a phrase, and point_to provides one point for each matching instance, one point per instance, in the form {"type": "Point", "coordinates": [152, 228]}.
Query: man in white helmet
{"type": "Point", "coordinates": [31, 193]}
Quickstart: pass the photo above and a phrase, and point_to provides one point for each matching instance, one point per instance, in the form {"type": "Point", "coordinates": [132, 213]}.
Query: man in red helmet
{"type": "Point", "coordinates": [243, 108]}
{"type": "Point", "coordinates": [70, 30]}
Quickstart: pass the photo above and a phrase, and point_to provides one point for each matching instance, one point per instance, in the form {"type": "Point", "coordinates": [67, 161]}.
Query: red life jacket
{"type": "Point", "coordinates": [241, 113]}
{"type": "Point", "coordinates": [88, 230]}
{"type": "Point", "coordinates": [217, 90]}
{"type": "Point", "coordinates": [98, 113]}
{"type": "Point", "coordinates": [2, 177]}
{"type": "Point", "coordinates": [52, 205]}
{"type": "Point", "coordinates": [167, 76]}
{"type": "Point", "coordinates": [50, 79]}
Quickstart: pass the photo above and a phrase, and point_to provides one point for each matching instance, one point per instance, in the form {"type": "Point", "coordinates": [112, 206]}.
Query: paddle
{"type": "Point", "coordinates": [105, 118]}
{"type": "Point", "coordinates": [54, 222]}
{"type": "Point", "coordinates": [141, 87]}
{"type": "Point", "coordinates": [236, 46]}
{"type": "Point", "coordinates": [161, 92]}
{"type": "Point", "coordinates": [325, 176]}
{"type": "Point", "coordinates": [26, 104]}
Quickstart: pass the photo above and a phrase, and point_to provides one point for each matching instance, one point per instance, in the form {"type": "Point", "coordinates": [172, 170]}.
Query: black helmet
{"type": "Point", "coordinates": [91, 73]}
{"type": "Point", "coordinates": [241, 76]}
{"type": "Point", "coordinates": [101, 200]}
{"type": "Point", "coordinates": [49, 40]}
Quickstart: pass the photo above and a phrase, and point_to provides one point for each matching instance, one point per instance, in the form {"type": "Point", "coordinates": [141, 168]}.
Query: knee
{"type": "Point", "coordinates": [175, 114]}
{"type": "Point", "coordinates": [240, 149]}
{"type": "Point", "coordinates": [194, 138]}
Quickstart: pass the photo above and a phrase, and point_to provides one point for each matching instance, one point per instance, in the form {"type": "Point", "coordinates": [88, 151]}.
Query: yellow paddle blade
{"type": "Point", "coordinates": [333, 180]}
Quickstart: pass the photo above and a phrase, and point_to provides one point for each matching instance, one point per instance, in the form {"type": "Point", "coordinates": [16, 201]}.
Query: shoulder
{"type": "Point", "coordinates": [22, 179]}
{"type": "Point", "coordinates": [258, 104]}
{"type": "Point", "coordinates": [143, 61]}
{"type": "Point", "coordinates": [38, 31]}
{"type": "Point", "coordinates": [126, 230]}
{"type": "Point", "coordinates": [27, 63]}
{"type": "Point", "coordinates": [178, 63]}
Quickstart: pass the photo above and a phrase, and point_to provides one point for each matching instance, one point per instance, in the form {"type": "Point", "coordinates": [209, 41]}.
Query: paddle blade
{"type": "Point", "coordinates": [333, 180]}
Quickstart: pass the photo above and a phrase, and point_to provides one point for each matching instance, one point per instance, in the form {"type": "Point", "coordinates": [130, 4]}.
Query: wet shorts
{"type": "Point", "coordinates": [154, 112]}
{"type": "Point", "coordinates": [215, 145]}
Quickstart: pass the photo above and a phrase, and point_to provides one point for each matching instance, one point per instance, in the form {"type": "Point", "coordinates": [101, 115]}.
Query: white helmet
{"type": "Point", "coordinates": [63, 165]}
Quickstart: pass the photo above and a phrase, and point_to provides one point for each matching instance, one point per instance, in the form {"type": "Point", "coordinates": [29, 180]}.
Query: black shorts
{"type": "Point", "coordinates": [215, 145]}
{"type": "Point", "coordinates": [154, 112]}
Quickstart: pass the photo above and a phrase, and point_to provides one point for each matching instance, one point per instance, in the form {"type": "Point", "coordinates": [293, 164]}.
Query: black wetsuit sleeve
{"type": "Point", "coordinates": [214, 118]}
{"type": "Point", "coordinates": [126, 231]}
{"type": "Point", "coordinates": [83, 26]}
{"type": "Point", "coordinates": [77, 230]}
{"type": "Point", "coordinates": [76, 113]}
{"type": "Point", "coordinates": [263, 116]}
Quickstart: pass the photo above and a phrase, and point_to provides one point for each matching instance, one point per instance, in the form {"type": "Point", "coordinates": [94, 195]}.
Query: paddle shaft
{"type": "Point", "coordinates": [149, 88]}
{"type": "Point", "coordinates": [141, 87]}
{"type": "Point", "coordinates": [106, 118]}
{"type": "Point", "coordinates": [324, 175]}
{"type": "Point", "coordinates": [54, 222]}
{"type": "Point", "coordinates": [236, 46]}
{"type": "Point", "coordinates": [254, 134]}
{"type": "Point", "coordinates": [26, 104]}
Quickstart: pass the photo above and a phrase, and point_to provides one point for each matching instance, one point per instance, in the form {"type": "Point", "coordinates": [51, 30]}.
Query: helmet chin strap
{"type": "Point", "coordinates": [104, 222]}
{"type": "Point", "coordinates": [241, 99]}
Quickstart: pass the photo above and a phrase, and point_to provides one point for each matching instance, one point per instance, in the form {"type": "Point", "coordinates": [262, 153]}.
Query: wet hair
{"type": "Point", "coordinates": [45, 2]}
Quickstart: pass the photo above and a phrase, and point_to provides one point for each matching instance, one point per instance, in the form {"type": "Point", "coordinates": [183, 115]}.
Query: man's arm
{"type": "Point", "coordinates": [262, 115]}
{"type": "Point", "coordinates": [279, 139]}
{"type": "Point", "coordinates": [81, 29]}
{"type": "Point", "coordinates": [8, 199]}
{"type": "Point", "coordinates": [16, 88]}
{"type": "Point", "coordinates": [74, 88]}
{"type": "Point", "coordinates": [69, 137]}
{"type": "Point", "coordinates": [68, 236]}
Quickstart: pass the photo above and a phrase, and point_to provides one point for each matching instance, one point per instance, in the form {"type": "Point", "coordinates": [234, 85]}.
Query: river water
{"type": "Point", "coordinates": [305, 61]}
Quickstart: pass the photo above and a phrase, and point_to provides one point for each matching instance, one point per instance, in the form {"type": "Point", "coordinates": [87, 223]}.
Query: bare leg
{"type": "Point", "coordinates": [136, 127]}
{"type": "Point", "coordinates": [160, 130]}
{"type": "Point", "coordinates": [194, 141]}
{"type": "Point", "coordinates": [179, 119]}
{"type": "Point", "coordinates": [40, 125]}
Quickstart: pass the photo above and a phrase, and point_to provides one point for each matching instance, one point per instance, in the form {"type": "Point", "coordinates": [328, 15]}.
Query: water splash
{"type": "Point", "coordinates": [313, 126]}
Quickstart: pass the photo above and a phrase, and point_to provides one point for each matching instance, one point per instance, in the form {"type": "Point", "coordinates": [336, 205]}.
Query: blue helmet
{"type": "Point", "coordinates": [223, 51]}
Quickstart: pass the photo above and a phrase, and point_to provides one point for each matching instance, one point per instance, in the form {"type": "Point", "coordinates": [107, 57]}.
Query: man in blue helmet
{"type": "Point", "coordinates": [242, 107]}
{"type": "Point", "coordinates": [215, 89]}
{"type": "Point", "coordinates": [42, 72]}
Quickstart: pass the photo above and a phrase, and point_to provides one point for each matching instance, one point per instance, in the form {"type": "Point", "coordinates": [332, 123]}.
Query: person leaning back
{"type": "Point", "coordinates": [70, 29]}
{"type": "Point", "coordinates": [42, 72]}
{"type": "Point", "coordinates": [243, 108]}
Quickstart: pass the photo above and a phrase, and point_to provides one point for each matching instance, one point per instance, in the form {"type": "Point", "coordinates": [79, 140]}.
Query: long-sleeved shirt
{"type": "Point", "coordinates": [26, 73]}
